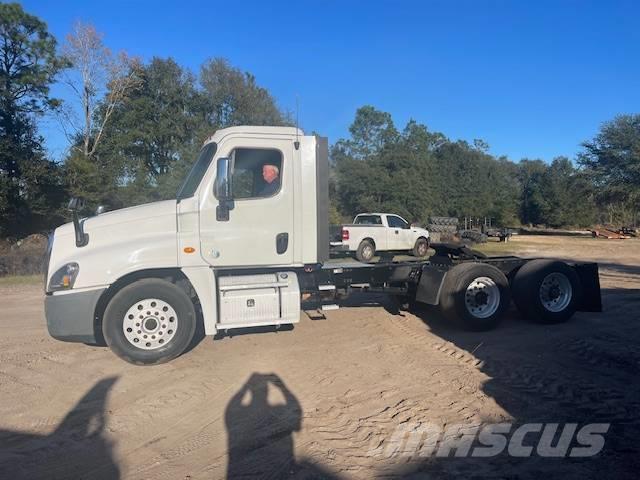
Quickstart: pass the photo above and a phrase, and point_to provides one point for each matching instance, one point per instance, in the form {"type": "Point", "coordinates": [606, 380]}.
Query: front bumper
{"type": "Point", "coordinates": [70, 316]}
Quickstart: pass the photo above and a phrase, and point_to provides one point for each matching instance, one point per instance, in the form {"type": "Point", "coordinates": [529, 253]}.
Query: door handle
{"type": "Point", "coordinates": [397, 232]}
{"type": "Point", "coordinates": [282, 242]}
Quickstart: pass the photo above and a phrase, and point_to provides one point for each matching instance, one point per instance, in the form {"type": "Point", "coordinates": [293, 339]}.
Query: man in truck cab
{"type": "Point", "coordinates": [271, 177]}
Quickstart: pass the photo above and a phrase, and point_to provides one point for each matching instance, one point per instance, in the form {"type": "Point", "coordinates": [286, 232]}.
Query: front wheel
{"type": "Point", "coordinates": [421, 248]}
{"type": "Point", "coordinates": [148, 322]}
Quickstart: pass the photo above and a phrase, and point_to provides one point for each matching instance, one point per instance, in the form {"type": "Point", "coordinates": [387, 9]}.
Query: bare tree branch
{"type": "Point", "coordinates": [104, 80]}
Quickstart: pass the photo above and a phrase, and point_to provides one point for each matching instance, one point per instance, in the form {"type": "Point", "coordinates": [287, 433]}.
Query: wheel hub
{"type": "Point", "coordinates": [482, 297]}
{"type": "Point", "coordinates": [150, 323]}
{"type": "Point", "coordinates": [555, 292]}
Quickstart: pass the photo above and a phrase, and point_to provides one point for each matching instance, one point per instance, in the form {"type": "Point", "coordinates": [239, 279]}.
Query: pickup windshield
{"type": "Point", "coordinates": [200, 167]}
{"type": "Point", "coordinates": [368, 220]}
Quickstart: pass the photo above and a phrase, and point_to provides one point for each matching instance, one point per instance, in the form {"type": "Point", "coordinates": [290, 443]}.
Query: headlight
{"type": "Point", "coordinates": [64, 278]}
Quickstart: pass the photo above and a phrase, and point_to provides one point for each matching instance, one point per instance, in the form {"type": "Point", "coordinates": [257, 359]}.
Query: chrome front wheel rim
{"type": "Point", "coordinates": [482, 297]}
{"type": "Point", "coordinates": [150, 324]}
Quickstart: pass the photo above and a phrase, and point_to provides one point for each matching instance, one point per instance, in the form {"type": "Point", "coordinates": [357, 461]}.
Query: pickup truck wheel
{"type": "Point", "coordinates": [421, 248]}
{"type": "Point", "coordinates": [365, 251]}
{"type": "Point", "coordinates": [148, 322]}
{"type": "Point", "coordinates": [546, 291]}
{"type": "Point", "coordinates": [475, 295]}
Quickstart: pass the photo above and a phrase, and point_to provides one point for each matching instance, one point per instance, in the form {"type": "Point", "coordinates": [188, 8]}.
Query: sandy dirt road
{"type": "Point", "coordinates": [324, 399]}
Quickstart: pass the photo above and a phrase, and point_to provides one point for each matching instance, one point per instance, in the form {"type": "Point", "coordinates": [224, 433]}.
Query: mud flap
{"type": "Point", "coordinates": [430, 285]}
{"type": "Point", "coordinates": [591, 299]}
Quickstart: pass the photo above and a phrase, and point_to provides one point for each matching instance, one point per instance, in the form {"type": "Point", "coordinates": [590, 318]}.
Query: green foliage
{"type": "Point", "coordinates": [232, 97]}
{"type": "Point", "coordinates": [612, 162]}
{"type": "Point", "coordinates": [156, 129]}
{"type": "Point", "coordinates": [30, 185]}
{"type": "Point", "coordinates": [419, 173]}
{"type": "Point", "coordinates": [155, 134]}
{"type": "Point", "coordinates": [28, 61]}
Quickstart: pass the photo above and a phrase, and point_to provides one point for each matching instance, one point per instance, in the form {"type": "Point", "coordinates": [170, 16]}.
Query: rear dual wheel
{"type": "Point", "coordinates": [475, 295]}
{"type": "Point", "coordinates": [547, 291]}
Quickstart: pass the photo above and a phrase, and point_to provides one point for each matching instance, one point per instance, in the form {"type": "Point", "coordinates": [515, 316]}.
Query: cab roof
{"type": "Point", "coordinates": [254, 130]}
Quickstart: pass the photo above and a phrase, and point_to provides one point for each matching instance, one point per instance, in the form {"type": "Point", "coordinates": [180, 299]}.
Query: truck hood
{"type": "Point", "coordinates": [120, 242]}
{"type": "Point", "coordinates": [132, 215]}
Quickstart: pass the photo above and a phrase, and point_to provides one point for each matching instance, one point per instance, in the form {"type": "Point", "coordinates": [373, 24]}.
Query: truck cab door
{"type": "Point", "coordinates": [399, 235]}
{"type": "Point", "coordinates": [258, 226]}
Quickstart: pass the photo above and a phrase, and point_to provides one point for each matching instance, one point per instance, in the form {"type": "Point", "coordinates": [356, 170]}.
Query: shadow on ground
{"type": "Point", "coordinates": [77, 448]}
{"type": "Point", "coordinates": [260, 434]}
{"type": "Point", "coordinates": [584, 371]}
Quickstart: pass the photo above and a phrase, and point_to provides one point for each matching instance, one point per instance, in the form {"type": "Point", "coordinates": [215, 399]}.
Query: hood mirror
{"type": "Point", "coordinates": [75, 204]}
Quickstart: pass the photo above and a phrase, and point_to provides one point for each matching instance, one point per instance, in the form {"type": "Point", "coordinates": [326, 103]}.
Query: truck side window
{"type": "Point", "coordinates": [256, 173]}
{"type": "Point", "coordinates": [396, 222]}
{"type": "Point", "coordinates": [368, 220]}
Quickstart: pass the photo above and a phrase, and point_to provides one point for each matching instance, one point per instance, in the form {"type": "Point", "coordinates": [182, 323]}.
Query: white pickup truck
{"type": "Point", "coordinates": [376, 232]}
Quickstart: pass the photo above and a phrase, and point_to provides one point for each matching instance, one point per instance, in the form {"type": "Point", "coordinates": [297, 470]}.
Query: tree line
{"type": "Point", "coordinates": [135, 127]}
{"type": "Point", "coordinates": [419, 173]}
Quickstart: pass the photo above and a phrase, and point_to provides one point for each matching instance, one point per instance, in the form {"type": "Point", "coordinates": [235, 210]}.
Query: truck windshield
{"type": "Point", "coordinates": [368, 220]}
{"type": "Point", "coordinates": [200, 167]}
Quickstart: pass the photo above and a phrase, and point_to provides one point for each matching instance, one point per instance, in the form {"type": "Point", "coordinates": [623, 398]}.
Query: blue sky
{"type": "Point", "coordinates": [533, 79]}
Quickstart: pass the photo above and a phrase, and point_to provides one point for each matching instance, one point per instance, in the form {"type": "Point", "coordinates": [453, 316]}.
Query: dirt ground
{"type": "Point", "coordinates": [327, 396]}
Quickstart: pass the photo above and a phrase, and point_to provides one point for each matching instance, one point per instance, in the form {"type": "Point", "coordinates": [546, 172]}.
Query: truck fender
{"type": "Point", "coordinates": [204, 283]}
{"type": "Point", "coordinates": [430, 285]}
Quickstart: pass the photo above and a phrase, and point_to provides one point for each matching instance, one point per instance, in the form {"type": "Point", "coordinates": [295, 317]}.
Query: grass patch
{"type": "Point", "coordinates": [17, 280]}
{"type": "Point", "coordinates": [514, 246]}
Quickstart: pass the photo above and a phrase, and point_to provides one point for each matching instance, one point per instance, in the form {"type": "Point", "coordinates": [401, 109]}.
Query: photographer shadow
{"type": "Point", "coordinates": [260, 434]}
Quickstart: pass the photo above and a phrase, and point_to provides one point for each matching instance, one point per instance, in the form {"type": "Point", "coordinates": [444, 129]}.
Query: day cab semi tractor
{"type": "Point", "coordinates": [245, 241]}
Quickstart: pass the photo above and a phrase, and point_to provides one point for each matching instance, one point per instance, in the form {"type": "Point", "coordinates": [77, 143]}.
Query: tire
{"type": "Point", "coordinates": [150, 293]}
{"type": "Point", "coordinates": [421, 248]}
{"type": "Point", "coordinates": [461, 300]}
{"type": "Point", "coordinates": [366, 251]}
{"type": "Point", "coordinates": [474, 236]}
{"type": "Point", "coordinates": [434, 227]}
{"type": "Point", "coordinates": [444, 221]}
{"type": "Point", "coordinates": [547, 291]}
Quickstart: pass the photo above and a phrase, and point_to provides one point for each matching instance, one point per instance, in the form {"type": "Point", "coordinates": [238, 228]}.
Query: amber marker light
{"type": "Point", "coordinates": [189, 249]}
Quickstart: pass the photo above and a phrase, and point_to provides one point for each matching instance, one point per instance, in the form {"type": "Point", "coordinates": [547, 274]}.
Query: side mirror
{"type": "Point", "coordinates": [222, 187]}
{"type": "Point", "coordinates": [76, 203]}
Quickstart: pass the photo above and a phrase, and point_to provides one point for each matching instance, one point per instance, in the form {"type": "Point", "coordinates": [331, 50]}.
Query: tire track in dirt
{"type": "Point", "coordinates": [574, 397]}
{"type": "Point", "coordinates": [342, 430]}
{"type": "Point", "coordinates": [605, 351]}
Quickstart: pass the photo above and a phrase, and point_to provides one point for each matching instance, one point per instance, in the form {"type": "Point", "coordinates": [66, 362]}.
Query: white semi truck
{"type": "Point", "coordinates": [245, 238]}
